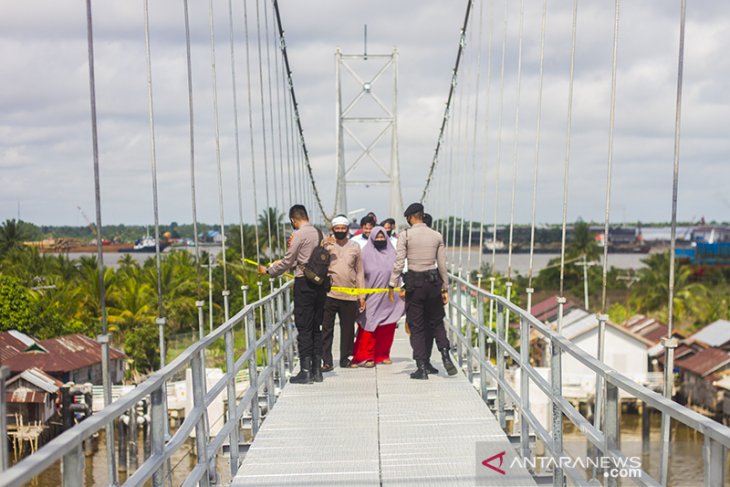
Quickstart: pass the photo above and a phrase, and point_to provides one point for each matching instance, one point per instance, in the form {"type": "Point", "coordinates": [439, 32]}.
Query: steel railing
{"type": "Point", "coordinates": [472, 334]}
{"type": "Point", "coordinates": [273, 335]}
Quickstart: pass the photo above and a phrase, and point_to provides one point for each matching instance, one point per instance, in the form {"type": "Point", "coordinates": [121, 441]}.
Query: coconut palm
{"type": "Point", "coordinates": [651, 292]}
{"type": "Point", "coordinates": [12, 235]}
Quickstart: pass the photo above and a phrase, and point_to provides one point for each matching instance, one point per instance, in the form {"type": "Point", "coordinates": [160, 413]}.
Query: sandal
{"type": "Point", "coordinates": [386, 361]}
{"type": "Point", "coordinates": [369, 364]}
{"type": "Point", "coordinates": [327, 368]}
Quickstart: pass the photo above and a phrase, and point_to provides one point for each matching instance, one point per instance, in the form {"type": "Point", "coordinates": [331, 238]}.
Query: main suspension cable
{"type": "Point", "coordinates": [449, 98]}
{"type": "Point", "coordinates": [302, 143]}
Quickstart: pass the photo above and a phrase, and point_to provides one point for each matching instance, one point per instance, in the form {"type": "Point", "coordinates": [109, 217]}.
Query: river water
{"type": "Point", "coordinates": [465, 258]}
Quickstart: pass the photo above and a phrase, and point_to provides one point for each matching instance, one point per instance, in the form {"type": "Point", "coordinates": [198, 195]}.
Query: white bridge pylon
{"type": "Point", "coordinates": [368, 120]}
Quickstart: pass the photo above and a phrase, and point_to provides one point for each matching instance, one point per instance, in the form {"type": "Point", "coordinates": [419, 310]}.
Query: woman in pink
{"type": "Point", "coordinates": [376, 326]}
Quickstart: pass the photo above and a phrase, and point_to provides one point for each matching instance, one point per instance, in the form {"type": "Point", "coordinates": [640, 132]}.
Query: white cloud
{"type": "Point", "coordinates": [45, 148]}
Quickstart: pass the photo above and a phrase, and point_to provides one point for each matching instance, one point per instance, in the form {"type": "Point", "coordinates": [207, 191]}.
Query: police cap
{"type": "Point", "coordinates": [412, 209]}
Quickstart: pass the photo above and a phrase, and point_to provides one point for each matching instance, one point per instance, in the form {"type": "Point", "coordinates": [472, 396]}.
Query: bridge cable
{"type": "Point", "coordinates": [239, 185]}
{"type": "Point", "coordinates": [191, 122]}
{"type": "Point", "coordinates": [485, 181]}
{"type": "Point", "coordinates": [461, 148]}
{"type": "Point", "coordinates": [288, 137]}
{"type": "Point", "coordinates": [668, 345]}
{"type": "Point", "coordinates": [538, 134]}
{"type": "Point", "coordinates": [252, 147]}
{"type": "Point", "coordinates": [447, 109]}
{"type": "Point", "coordinates": [263, 132]}
{"type": "Point", "coordinates": [493, 276]}
{"type": "Point", "coordinates": [476, 130]}
{"type": "Point", "coordinates": [302, 143]}
{"type": "Point", "coordinates": [515, 149]}
{"type": "Point", "coordinates": [276, 231]}
{"type": "Point", "coordinates": [219, 169]}
{"type": "Point", "coordinates": [279, 87]}
{"type": "Point", "coordinates": [566, 165]}
{"type": "Point", "coordinates": [111, 464]}
{"type": "Point", "coordinates": [153, 169]}
{"type": "Point", "coordinates": [602, 317]}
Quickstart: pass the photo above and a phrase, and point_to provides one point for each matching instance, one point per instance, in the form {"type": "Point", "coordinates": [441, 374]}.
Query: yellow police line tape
{"type": "Point", "coordinates": [354, 291]}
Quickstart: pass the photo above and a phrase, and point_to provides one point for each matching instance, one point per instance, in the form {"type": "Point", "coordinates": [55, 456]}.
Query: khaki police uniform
{"type": "Point", "coordinates": [422, 246]}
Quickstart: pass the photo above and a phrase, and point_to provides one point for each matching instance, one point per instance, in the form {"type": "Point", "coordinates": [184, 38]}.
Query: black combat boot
{"type": "Point", "coordinates": [421, 371]}
{"type": "Point", "coordinates": [448, 364]}
{"type": "Point", "coordinates": [305, 372]}
{"type": "Point", "coordinates": [431, 369]}
{"type": "Point", "coordinates": [317, 369]}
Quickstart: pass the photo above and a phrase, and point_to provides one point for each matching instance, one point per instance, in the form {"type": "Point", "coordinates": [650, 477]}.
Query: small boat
{"type": "Point", "coordinates": [144, 245]}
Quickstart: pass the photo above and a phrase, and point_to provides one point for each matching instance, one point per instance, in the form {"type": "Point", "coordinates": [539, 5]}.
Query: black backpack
{"type": "Point", "coordinates": [316, 270]}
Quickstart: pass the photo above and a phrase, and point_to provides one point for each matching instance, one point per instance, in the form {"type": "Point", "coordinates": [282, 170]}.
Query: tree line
{"type": "Point", "coordinates": [48, 295]}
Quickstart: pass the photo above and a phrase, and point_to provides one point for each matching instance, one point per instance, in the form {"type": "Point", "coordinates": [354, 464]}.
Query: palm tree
{"type": "Point", "coordinates": [651, 292]}
{"type": "Point", "coordinates": [270, 221]}
{"type": "Point", "coordinates": [12, 235]}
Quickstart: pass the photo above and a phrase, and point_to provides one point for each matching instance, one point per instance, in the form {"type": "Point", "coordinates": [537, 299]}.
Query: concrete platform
{"type": "Point", "coordinates": [378, 427]}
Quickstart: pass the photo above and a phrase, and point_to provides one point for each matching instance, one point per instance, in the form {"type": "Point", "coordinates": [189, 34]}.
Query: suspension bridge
{"type": "Point", "coordinates": [376, 426]}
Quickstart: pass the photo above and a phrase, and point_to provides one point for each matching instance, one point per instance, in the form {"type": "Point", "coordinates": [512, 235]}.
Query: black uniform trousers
{"type": "Point", "coordinates": [347, 311]}
{"type": "Point", "coordinates": [425, 314]}
{"type": "Point", "coordinates": [308, 310]}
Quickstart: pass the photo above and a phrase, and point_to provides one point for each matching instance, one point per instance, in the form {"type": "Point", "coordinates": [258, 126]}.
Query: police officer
{"type": "Point", "coordinates": [309, 298]}
{"type": "Point", "coordinates": [426, 288]}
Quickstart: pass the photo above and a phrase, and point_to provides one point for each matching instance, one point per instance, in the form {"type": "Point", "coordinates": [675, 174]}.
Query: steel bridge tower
{"type": "Point", "coordinates": [369, 121]}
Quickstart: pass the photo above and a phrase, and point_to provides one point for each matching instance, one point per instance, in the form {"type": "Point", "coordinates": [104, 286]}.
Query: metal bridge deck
{"type": "Point", "coordinates": [378, 427]}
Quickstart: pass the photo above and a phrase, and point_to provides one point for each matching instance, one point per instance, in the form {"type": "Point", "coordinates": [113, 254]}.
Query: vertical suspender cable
{"type": "Point", "coordinates": [566, 165]}
{"type": "Point", "coordinates": [219, 170]}
{"type": "Point", "coordinates": [271, 128]}
{"type": "Point", "coordinates": [191, 123]}
{"type": "Point", "coordinates": [292, 179]}
{"type": "Point", "coordinates": [252, 145]}
{"type": "Point", "coordinates": [263, 130]}
{"type": "Point", "coordinates": [515, 148]}
{"type": "Point", "coordinates": [476, 126]}
{"type": "Point", "coordinates": [668, 342]}
{"type": "Point", "coordinates": [277, 69]}
{"type": "Point", "coordinates": [267, 213]}
{"type": "Point", "coordinates": [602, 317]}
{"type": "Point", "coordinates": [493, 277]}
{"type": "Point", "coordinates": [609, 170]}
{"type": "Point", "coordinates": [111, 463]}
{"type": "Point", "coordinates": [463, 150]}
{"type": "Point", "coordinates": [161, 321]}
{"type": "Point", "coordinates": [461, 107]}
{"type": "Point", "coordinates": [239, 187]}
{"type": "Point", "coordinates": [153, 169]}
{"type": "Point", "coordinates": [485, 157]}
{"type": "Point", "coordinates": [538, 133]}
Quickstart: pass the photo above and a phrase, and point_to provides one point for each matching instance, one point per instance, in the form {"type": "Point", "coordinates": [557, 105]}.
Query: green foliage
{"type": "Point", "coordinates": [14, 232]}
{"type": "Point", "coordinates": [16, 311]}
{"type": "Point", "coordinates": [141, 346]}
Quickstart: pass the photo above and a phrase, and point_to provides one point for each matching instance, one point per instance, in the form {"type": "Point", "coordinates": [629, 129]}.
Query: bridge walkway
{"type": "Point", "coordinates": [378, 427]}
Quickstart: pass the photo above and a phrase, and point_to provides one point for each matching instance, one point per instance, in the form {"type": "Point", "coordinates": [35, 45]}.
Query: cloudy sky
{"type": "Point", "coordinates": [45, 145]}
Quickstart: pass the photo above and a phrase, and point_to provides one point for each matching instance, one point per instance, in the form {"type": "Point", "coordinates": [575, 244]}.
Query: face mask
{"type": "Point", "coordinates": [390, 232]}
{"type": "Point", "coordinates": [340, 235]}
{"type": "Point", "coordinates": [380, 244]}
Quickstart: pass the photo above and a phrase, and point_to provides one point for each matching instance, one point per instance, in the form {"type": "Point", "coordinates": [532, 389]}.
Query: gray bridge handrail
{"type": "Point", "coordinates": [717, 436]}
{"type": "Point", "coordinates": [70, 441]}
